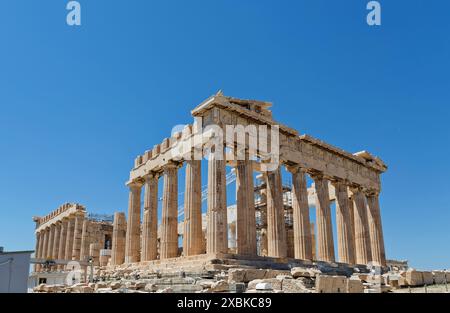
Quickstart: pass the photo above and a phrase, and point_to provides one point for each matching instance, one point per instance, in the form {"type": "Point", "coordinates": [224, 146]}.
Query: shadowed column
{"type": "Point", "coordinates": [245, 209]}
{"type": "Point", "coordinates": [375, 229]}
{"type": "Point", "coordinates": [217, 227]}
{"type": "Point", "coordinates": [192, 234]}
{"type": "Point", "coordinates": [56, 238]}
{"type": "Point", "coordinates": [118, 239]}
{"type": "Point", "coordinates": [276, 230]}
{"type": "Point", "coordinates": [69, 237]}
{"type": "Point", "coordinates": [51, 238]}
{"type": "Point", "coordinates": [325, 251]}
{"type": "Point", "coordinates": [77, 232]}
{"type": "Point", "coordinates": [169, 222]}
{"type": "Point", "coordinates": [362, 237]}
{"type": "Point", "coordinates": [344, 225]}
{"type": "Point", "coordinates": [62, 242]}
{"type": "Point", "coordinates": [37, 249]}
{"type": "Point", "coordinates": [301, 220]}
{"type": "Point", "coordinates": [132, 246]}
{"type": "Point", "coordinates": [150, 222]}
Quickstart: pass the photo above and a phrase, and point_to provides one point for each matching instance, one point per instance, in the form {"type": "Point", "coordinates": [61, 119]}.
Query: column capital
{"type": "Point", "coordinates": [371, 192]}
{"type": "Point", "coordinates": [151, 175]}
{"type": "Point", "coordinates": [296, 168]}
{"type": "Point", "coordinates": [135, 184]}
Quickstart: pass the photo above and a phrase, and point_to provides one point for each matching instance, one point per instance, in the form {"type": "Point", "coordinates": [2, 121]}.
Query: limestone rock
{"type": "Point", "coordinates": [354, 286]}
{"type": "Point", "coordinates": [331, 284]}
{"type": "Point", "coordinates": [297, 272]}
{"type": "Point", "coordinates": [263, 286]}
{"type": "Point", "coordinates": [220, 286]}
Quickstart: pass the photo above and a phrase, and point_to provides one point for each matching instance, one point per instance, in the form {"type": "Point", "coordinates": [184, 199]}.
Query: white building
{"type": "Point", "coordinates": [14, 271]}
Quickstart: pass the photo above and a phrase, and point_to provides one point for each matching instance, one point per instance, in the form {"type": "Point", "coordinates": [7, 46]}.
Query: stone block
{"type": "Point", "coordinates": [263, 286]}
{"type": "Point", "coordinates": [220, 286]}
{"type": "Point", "coordinates": [275, 283]}
{"type": "Point", "coordinates": [414, 278]}
{"type": "Point", "coordinates": [331, 284]}
{"type": "Point", "coordinates": [294, 286]}
{"type": "Point", "coordinates": [427, 278]}
{"type": "Point", "coordinates": [439, 277]}
{"type": "Point", "coordinates": [354, 286]}
{"type": "Point", "coordinates": [304, 272]}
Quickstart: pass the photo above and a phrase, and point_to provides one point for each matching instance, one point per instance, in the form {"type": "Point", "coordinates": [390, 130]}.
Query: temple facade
{"type": "Point", "coordinates": [270, 221]}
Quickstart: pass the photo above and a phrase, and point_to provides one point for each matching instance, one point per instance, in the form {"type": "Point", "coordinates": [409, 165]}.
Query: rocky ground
{"type": "Point", "coordinates": [243, 280]}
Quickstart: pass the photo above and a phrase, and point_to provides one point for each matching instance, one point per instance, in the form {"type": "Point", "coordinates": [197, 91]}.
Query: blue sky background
{"type": "Point", "coordinates": [78, 104]}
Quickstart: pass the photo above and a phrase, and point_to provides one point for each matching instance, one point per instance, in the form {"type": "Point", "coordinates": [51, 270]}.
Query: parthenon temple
{"type": "Point", "coordinates": [270, 220]}
{"type": "Point", "coordinates": [287, 187]}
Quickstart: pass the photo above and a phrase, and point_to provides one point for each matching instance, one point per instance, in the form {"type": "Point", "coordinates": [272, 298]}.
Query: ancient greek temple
{"type": "Point", "coordinates": [349, 180]}
{"type": "Point", "coordinates": [69, 233]}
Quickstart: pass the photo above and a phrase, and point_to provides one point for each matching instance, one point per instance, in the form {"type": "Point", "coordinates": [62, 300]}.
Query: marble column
{"type": "Point", "coordinates": [77, 233]}
{"type": "Point", "coordinates": [263, 250]}
{"type": "Point", "coordinates": [94, 252]}
{"type": "Point", "coordinates": [375, 229]}
{"type": "Point", "coordinates": [118, 239]}
{"type": "Point", "coordinates": [217, 227]}
{"type": "Point", "coordinates": [351, 209]}
{"type": "Point", "coordinates": [69, 237]}
{"type": "Point", "coordinates": [132, 245]}
{"type": "Point", "coordinates": [36, 251]}
{"type": "Point", "coordinates": [301, 220]}
{"type": "Point", "coordinates": [362, 237]}
{"type": "Point", "coordinates": [62, 242]}
{"type": "Point", "coordinates": [325, 251]}
{"type": "Point", "coordinates": [245, 209]}
{"type": "Point", "coordinates": [51, 238]}
{"type": "Point", "coordinates": [86, 240]}
{"type": "Point", "coordinates": [44, 251]}
{"type": "Point", "coordinates": [56, 238]}
{"type": "Point", "coordinates": [169, 222]}
{"type": "Point", "coordinates": [150, 223]}
{"type": "Point", "coordinates": [345, 232]}
{"type": "Point", "coordinates": [192, 234]}
{"type": "Point", "coordinates": [276, 230]}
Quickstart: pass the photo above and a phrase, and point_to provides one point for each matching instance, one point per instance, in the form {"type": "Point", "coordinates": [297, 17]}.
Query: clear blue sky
{"type": "Point", "coordinates": [78, 104]}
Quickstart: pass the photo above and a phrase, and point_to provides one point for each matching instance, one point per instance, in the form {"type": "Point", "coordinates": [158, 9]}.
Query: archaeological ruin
{"type": "Point", "coordinates": [268, 223]}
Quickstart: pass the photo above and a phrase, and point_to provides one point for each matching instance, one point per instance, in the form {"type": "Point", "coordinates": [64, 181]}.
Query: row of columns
{"type": "Point", "coordinates": [360, 237]}
{"type": "Point", "coordinates": [60, 240]}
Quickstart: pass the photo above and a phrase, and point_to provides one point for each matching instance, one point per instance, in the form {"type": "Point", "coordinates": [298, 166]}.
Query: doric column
{"type": "Point", "coordinates": [69, 237]}
{"type": "Point", "coordinates": [77, 232]}
{"type": "Point", "coordinates": [132, 246]}
{"type": "Point", "coordinates": [276, 230]}
{"type": "Point", "coordinates": [245, 209]}
{"type": "Point", "coordinates": [118, 239]}
{"type": "Point", "coordinates": [86, 240]}
{"type": "Point", "coordinates": [94, 252]}
{"type": "Point", "coordinates": [325, 251]}
{"type": "Point", "coordinates": [51, 238]}
{"type": "Point", "coordinates": [263, 232]}
{"type": "Point", "coordinates": [217, 227]}
{"type": "Point", "coordinates": [301, 221]}
{"type": "Point", "coordinates": [36, 251]}
{"type": "Point", "coordinates": [62, 242]}
{"type": "Point", "coordinates": [375, 229]}
{"type": "Point", "coordinates": [169, 225]}
{"type": "Point", "coordinates": [46, 233]}
{"type": "Point", "coordinates": [362, 237]}
{"type": "Point", "coordinates": [56, 238]}
{"type": "Point", "coordinates": [344, 225]}
{"type": "Point", "coordinates": [150, 223]}
{"type": "Point", "coordinates": [192, 234]}
{"type": "Point", "coordinates": [351, 210]}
